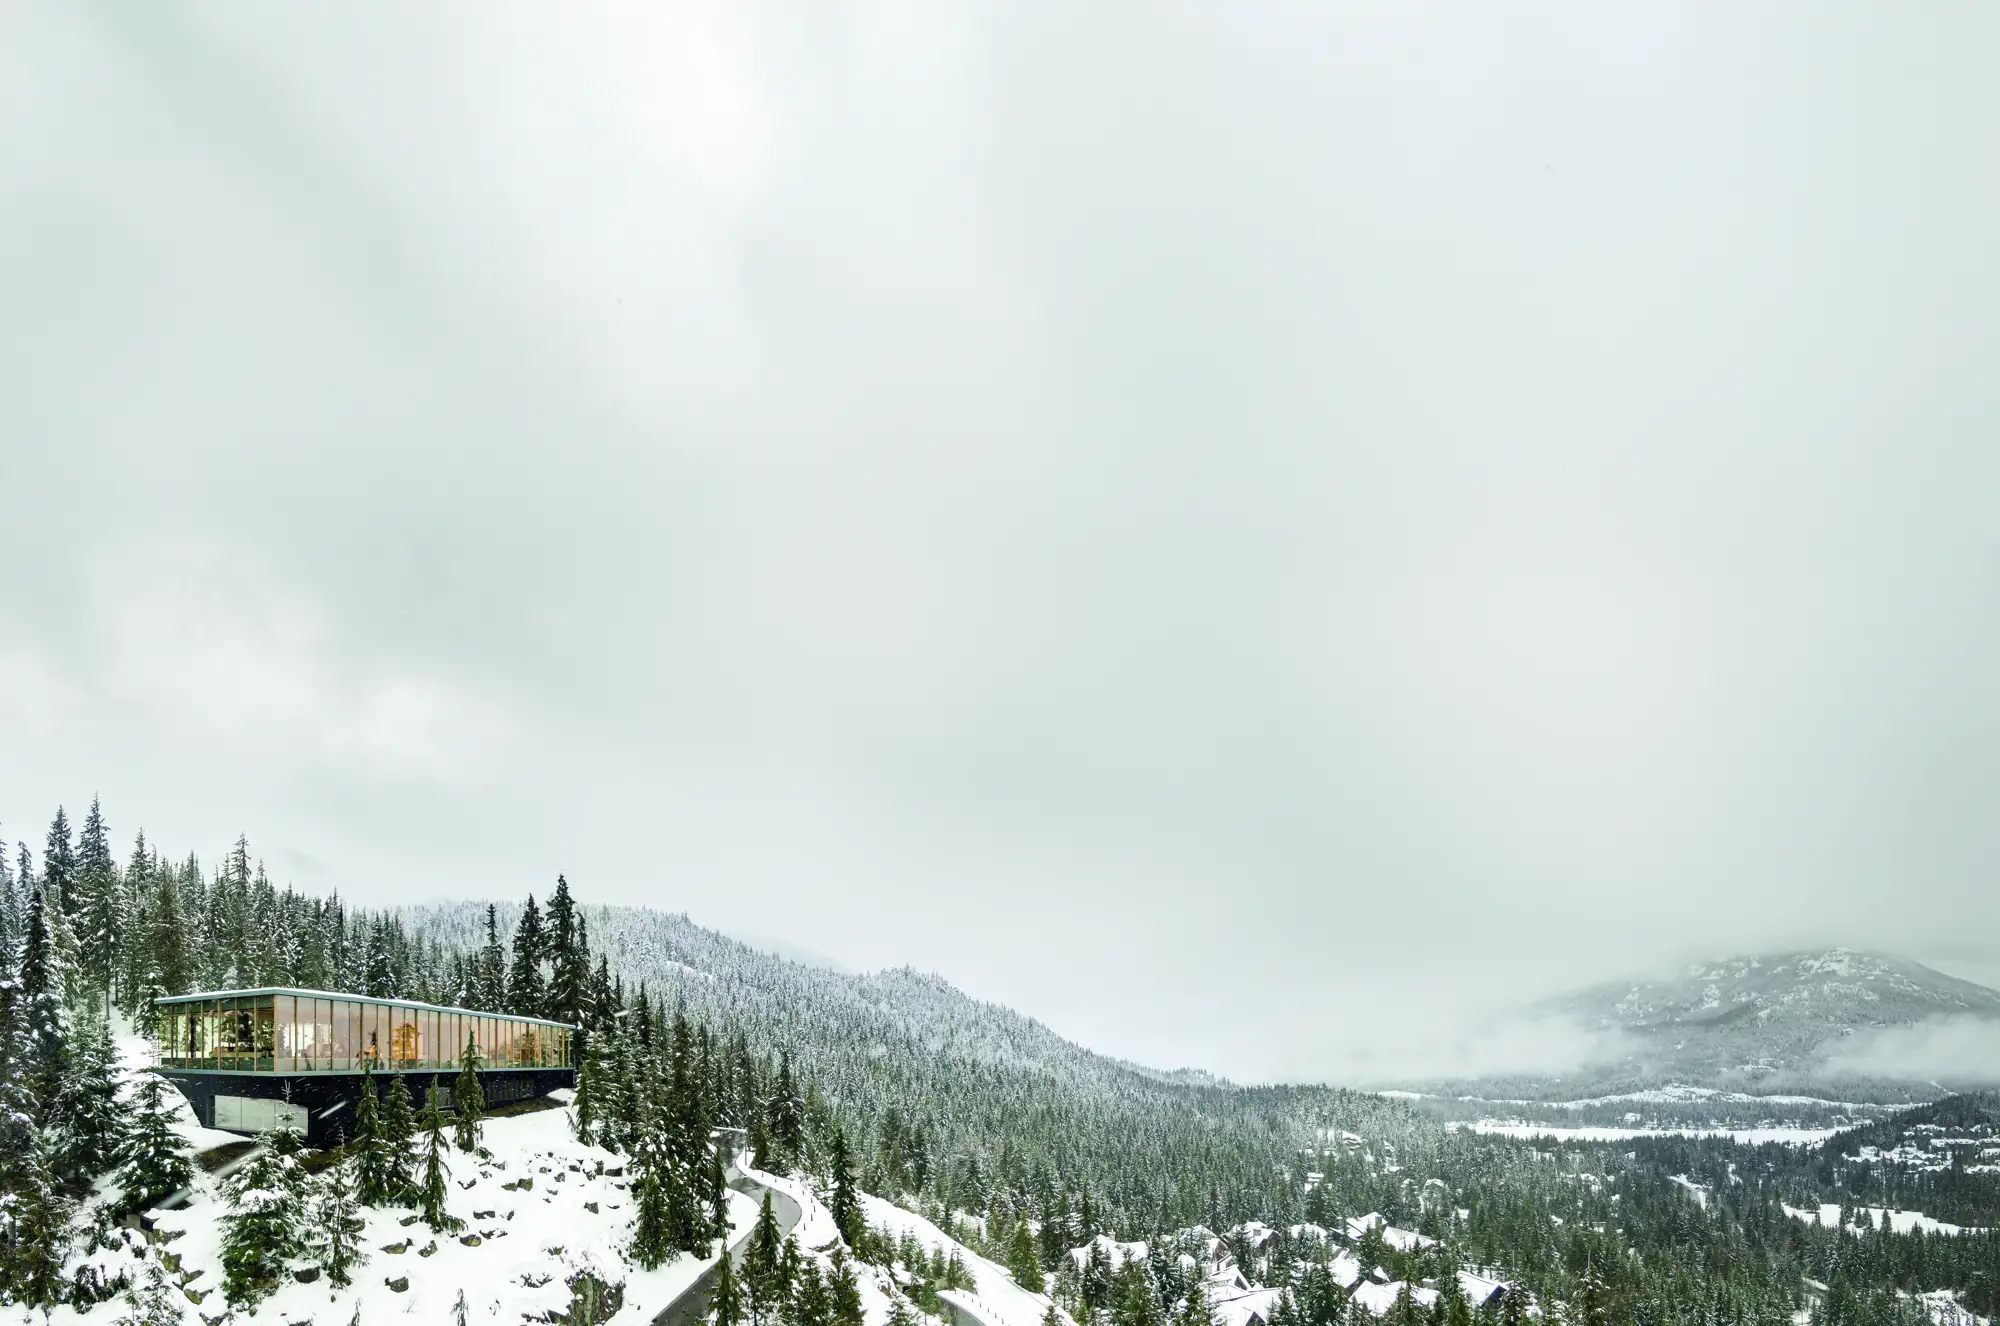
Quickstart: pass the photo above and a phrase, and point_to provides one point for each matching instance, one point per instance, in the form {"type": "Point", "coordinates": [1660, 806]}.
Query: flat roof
{"type": "Point", "coordinates": [200, 996]}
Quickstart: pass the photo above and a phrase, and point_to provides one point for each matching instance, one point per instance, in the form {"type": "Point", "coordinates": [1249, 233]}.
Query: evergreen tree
{"type": "Point", "coordinates": [844, 1291]}
{"type": "Point", "coordinates": [375, 1179]}
{"type": "Point", "coordinates": [844, 1208]}
{"type": "Point", "coordinates": [717, 1188]}
{"type": "Point", "coordinates": [59, 865]}
{"type": "Point", "coordinates": [589, 1076]}
{"type": "Point", "coordinates": [97, 910]}
{"type": "Point", "coordinates": [34, 1230]}
{"type": "Point", "coordinates": [1024, 1263]}
{"type": "Point", "coordinates": [525, 992]}
{"type": "Point", "coordinates": [810, 1303]}
{"type": "Point", "coordinates": [43, 1012]}
{"type": "Point", "coordinates": [399, 1123]}
{"type": "Point", "coordinates": [260, 1231]}
{"type": "Point", "coordinates": [157, 1164]}
{"type": "Point", "coordinates": [786, 1119]}
{"type": "Point", "coordinates": [763, 1269]}
{"type": "Point", "coordinates": [338, 1223]}
{"type": "Point", "coordinates": [725, 1297]}
{"type": "Point", "coordinates": [653, 1242]}
{"type": "Point", "coordinates": [434, 1187]}
{"type": "Point", "coordinates": [490, 986]}
{"type": "Point", "coordinates": [155, 1300]}
{"type": "Point", "coordinates": [90, 1120]}
{"type": "Point", "coordinates": [468, 1098]}
{"type": "Point", "coordinates": [566, 999]}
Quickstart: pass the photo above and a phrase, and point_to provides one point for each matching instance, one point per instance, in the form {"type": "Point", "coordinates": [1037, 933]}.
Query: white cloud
{"type": "Point", "coordinates": [1956, 1051]}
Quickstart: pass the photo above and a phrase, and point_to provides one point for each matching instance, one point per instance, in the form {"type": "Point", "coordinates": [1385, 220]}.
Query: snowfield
{"type": "Point", "coordinates": [1563, 1132]}
{"type": "Point", "coordinates": [543, 1210]}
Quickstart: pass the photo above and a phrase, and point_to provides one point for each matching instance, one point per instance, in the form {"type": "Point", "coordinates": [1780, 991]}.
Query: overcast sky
{"type": "Point", "coordinates": [1238, 529]}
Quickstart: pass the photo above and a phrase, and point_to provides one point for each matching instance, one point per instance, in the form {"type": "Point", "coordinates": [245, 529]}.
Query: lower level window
{"type": "Point", "coordinates": [249, 1114]}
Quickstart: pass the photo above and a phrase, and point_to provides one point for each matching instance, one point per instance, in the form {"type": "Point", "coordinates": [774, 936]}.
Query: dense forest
{"type": "Point", "coordinates": [1022, 1144]}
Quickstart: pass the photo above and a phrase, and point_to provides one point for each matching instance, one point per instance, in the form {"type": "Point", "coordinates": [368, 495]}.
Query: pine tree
{"type": "Point", "coordinates": [374, 1182]}
{"type": "Point", "coordinates": [155, 1300]}
{"type": "Point", "coordinates": [653, 1242]}
{"type": "Point", "coordinates": [844, 1291]}
{"type": "Point", "coordinates": [717, 1192]}
{"type": "Point", "coordinates": [59, 865]}
{"type": "Point", "coordinates": [844, 1208]}
{"type": "Point", "coordinates": [90, 1120]}
{"type": "Point", "coordinates": [34, 1219]}
{"type": "Point", "coordinates": [1024, 1259]}
{"type": "Point", "coordinates": [763, 1266]}
{"type": "Point", "coordinates": [468, 1098]}
{"type": "Point", "coordinates": [584, 1110]}
{"type": "Point", "coordinates": [399, 1123]}
{"type": "Point", "coordinates": [97, 910]}
{"type": "Point", "coordinates": [157, 1163]}
{"type": "Point", "coordinates": [490, 988]}
{"type": "Point", "coordinates": [725, 1298]}
{"type": "Point", "coordinates": [786, 1115]}
{"type": "Point", "coordinates": [434, 1187]}
{"type": "Point", "coordinates": [338, 1224]}
{"type": "Point", "coordinates": [810, 1304]}
{"type": "Point", "coordinates": [43, 1010]}
{"type": "Point", "coordinates": [525, 992]}
{"type": "Point", "coordinates": [260, 1231]}
{"type": "Point", "coordinates": [568, 994]}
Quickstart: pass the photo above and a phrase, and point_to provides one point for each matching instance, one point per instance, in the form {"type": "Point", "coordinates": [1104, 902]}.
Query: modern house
{"type": "Point", "coordinates": [249, 1060]}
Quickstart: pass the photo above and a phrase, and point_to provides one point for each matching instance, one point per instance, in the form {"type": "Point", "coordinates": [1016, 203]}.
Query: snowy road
{"type": "Point", "coordinates": [692, 1305]}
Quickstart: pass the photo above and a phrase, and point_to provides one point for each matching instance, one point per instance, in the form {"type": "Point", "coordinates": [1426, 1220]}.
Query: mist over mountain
{"type": "Point", "coordinates": [1836, 1020]}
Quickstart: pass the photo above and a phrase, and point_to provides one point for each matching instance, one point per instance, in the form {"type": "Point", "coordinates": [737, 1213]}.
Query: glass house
{"type": "Point", "coordinates": [249, 1059]}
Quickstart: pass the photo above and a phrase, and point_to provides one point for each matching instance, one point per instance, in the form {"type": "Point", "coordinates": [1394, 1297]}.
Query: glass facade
{"type": "Point", "coordinates": [308, 1031]}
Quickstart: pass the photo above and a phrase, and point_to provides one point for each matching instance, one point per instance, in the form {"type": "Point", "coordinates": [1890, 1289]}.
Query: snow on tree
{"type": "Point", "coordinates": [155, 1300]}
{"type": "Point", "coordinates": [261, 1229]}
{"type": "Point", "coordinates": [434, 1185]}
{"type": "Point", "coordinates": [156, 1161]}
{"type": "Point", "coordinates": [725, 1297]}
{"type": "Point", "coordinates": [89, 1119]}
{"type": "Point", "coordinates": [34, 1230]}
{"type": "Point", "coordinates": [337, 1223]}
{"type": "Point", "coordinates": [467, 1097]}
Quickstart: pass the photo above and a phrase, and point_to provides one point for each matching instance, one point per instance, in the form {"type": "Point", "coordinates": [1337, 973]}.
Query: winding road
{"type": "Point", "coordinates": [692, 1304]}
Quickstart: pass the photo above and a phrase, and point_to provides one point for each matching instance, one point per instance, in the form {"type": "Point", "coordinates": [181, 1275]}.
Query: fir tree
{"type": "Point", "coordinates": [1024, 1261]}
{"type": "Point", "coordinates": [844, 1292]}
{"type": "Point", "coordinates": [810, 1304]}
{"type": "Point", "coordinates": [59, 865]}
{"type": "Point", "coordinates": [763, 1266]}
{"type": "Point", "coordinates": [717, 1189]}
{"type": "Point", "coordinates": [260, 1231]}
{"type": "Point", "coordinates": [97, 910]}
{"type": "Point", "coordinates": [338, 1224]}
{"type": "Point", "coordinates": [468, 1098]}
{"type": "Point", "coordinates": [34, 1230]}
{"type": "Point", "coordinates": [525, 992]}
{"type": "Point", "coordinates": [43, 1011]}
{"type": "Point", "coordinates": [90, 1120]}
{"type": "Point", "coordinates": [373, 1170]}
{"type": "Point", "coordinates": [155, 1300]}
{"type": "Point", "coordinates": [434, 1187]}
{"type": "Point", "coordinates": [844, 1208]}
{"type": "Point", "coordinates": [490, 986]}
{"type": "Point", "coordinates": [725, 1297]}
{"type": "Point", "coordinates": [584, 1110]}
{"type": "Point", "coordinates": [399, 1123]}
{"type": "Point", "coordinates": [568, 994]}
{"type": "Point", "coordinates": [652, 1231]}
{"type": "Point", "coordinates": [157, 1164]}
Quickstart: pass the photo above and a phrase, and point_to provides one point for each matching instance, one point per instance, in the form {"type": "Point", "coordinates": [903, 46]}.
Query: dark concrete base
{"type": "Point", "coordinates": [329, 1098]}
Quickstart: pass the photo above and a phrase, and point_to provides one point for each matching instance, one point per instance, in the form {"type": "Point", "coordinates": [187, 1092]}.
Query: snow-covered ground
{"type": "Point", "coordinates": [514, 1259]}
{"type": "Point", "coordinates": [1746, 1136]}
{"type": "Point", "coordinates": [996, 1298]}
{"type": "Point", "coordinates": [1902, 1222]}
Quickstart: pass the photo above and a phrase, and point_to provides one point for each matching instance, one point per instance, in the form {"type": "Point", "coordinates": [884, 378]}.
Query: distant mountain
{"type": "Point", "coordinates": [1759, 1023]}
